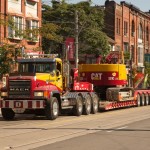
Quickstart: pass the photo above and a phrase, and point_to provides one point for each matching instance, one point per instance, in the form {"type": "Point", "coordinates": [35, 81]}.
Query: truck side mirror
{"type": "Point", "coordinates": [57, 73]}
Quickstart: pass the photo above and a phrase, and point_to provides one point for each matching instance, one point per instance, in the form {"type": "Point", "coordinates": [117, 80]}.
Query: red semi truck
{"type": "Point", "coordinates": [46, 85]}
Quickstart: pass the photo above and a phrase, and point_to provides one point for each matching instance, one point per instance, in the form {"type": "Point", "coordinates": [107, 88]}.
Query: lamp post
{"type": "Point", "coordinates": [76, 39]}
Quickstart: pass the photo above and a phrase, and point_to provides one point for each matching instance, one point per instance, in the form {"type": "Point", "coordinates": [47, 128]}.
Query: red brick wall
{"type": "Point", "coordinates": [4, 30]}
{"type": "Point", "coordinates": [126, 12]}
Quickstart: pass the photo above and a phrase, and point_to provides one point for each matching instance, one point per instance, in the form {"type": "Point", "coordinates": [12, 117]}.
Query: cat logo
{"type": "Point", "coordinates": [96, 76]}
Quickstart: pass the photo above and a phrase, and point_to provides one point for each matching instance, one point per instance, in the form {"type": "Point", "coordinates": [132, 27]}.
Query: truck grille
{"type": "Point", "coordinates": [19, 88]}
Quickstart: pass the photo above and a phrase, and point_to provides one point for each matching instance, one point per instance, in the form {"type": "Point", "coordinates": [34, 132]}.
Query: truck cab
{"type": "Point", "coordinates": [37, 80]}
{"type": "Point", "coordinates": [46, 71]}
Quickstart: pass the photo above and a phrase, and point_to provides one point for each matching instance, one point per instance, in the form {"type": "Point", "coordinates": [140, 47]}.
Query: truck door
{"type": "Point", "coordinates": [59, 81]}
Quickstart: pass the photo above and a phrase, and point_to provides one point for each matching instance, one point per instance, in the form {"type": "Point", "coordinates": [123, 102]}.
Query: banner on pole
{"type": "Point", "coordinates": [70, 48]}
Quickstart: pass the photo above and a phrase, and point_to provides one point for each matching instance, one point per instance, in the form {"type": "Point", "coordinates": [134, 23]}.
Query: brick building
{"type": "Point", "coordinates": [26, 14]}
{"type": "Point", "coordinates": [129, 27]}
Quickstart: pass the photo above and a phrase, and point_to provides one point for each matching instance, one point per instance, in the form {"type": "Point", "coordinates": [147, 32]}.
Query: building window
{"type": "Point", "coordinates": [140, 31]}
{"type": "Point", "coordinates": [125, 28]}
{"type": "Point", "coordinates": [126, 52]}
{"type": "Point", "coordinates": [133, 28]}
{"type": "Point", "coordinates": [118, 26]}
{"type": "Point", "coordinates": [140, 55]}
{"type": "Point", "coordinates": [32, 29]}
{"type": "Point", "coordinates": [118, 48]}
{"type": "Point", "coordinates": [126, 47]}
{"type": "Point", "coordinates": [146, 51]}
{"type": "Point", "coordinates": [147, 34]}
{"type": "Point", "coordinates": [15, 29]}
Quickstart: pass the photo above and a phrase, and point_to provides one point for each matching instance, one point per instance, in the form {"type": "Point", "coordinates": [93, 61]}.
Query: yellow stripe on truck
{"type": "Point", "coordinates": [120, 68]}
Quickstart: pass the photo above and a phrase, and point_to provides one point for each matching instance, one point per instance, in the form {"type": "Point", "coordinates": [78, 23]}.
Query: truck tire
{"type": "Point", "coordinates": [8, 113]}
{"type": "Point", "coordinates": [78, 108]}
{"type": "Point", "coordinates": [52, 109]}
{"type": "Point", "coordinates": [146, 99]}
{"type": "Point", "coordinates": [87, 106]}
{"type": "Point", "coordinates": [95, 104]}
{"type": "Point", "coordinates": [143, 100]}
{"type": "Point", "coordinates": [138, 100]}
{"type": "Point", "coordinates": [149, 99]}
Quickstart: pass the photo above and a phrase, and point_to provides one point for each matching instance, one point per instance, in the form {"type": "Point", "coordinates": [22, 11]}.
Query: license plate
{"type": "Point", "coordinates": [18, 104]}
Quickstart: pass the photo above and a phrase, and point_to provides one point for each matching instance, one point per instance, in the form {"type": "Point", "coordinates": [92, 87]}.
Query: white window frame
{"type": "Point", "coordinates": [140, 56]}
{"type": "Point", "coordinates": [18, 24]}
{"type": "Point", "coordinates": [32, 25]}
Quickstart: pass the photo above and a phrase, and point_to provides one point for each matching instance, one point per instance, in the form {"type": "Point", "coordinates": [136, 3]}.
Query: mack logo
{"type": "Point", "coordinates": [96, 76]}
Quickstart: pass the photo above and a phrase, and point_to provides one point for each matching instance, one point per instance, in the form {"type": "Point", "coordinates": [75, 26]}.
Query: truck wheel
{"type": "Point", "coordinates": [94, 104]}
{"type": "Point", "coordinates": [78, 108]}
{"type": "Point", "coordinates": [146, 99]}
{"type": "Point", "coordinates": [143, 100]}
{"type": "Point", "coordinates": [8, 113]}
{"type": "Point", "coordinates": [87, 106]}
{"type": "Point", "coordinates": [138, 100]}
{"type": "Point", "coordinates": [52, 108]}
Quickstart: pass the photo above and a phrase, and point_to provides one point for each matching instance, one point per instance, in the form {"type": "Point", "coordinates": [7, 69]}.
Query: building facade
{"type": "Point", "coordinates": [25, 15]}
{"type": "Point", "coordinates": [129, 27]}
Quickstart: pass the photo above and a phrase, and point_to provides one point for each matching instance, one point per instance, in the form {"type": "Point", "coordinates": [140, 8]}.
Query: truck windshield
{"type": "Point", "coordinates": [36, 67]}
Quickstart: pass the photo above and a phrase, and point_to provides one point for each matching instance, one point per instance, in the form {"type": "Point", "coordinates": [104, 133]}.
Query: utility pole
{"type": "Point", "coordinates": [76, 39]}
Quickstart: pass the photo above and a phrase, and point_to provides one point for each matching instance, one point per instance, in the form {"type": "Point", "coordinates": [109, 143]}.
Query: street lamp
{"type": "Point", "coordinates": [76, 39]}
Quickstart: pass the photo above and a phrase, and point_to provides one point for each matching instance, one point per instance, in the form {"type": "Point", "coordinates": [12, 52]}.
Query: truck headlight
{"type": "Point", "coordinates": [38, 94]}
{"type": "Point", "coordinates": [4, 81]}
{"type": "Point", "coordinates": [4, 94]}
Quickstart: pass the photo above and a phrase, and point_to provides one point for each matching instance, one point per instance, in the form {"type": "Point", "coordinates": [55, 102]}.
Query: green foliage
{"type": "Point", "coordinates": [127, 55]}
{"type": "Point", "coordinates": [90, 23]}
{"type": "Point", "coordinates": [147, 71]}
{"type": "Point", "coordinates": [7, 54]}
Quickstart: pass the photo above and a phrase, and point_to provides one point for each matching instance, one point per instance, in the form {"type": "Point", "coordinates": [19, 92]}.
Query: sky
{"type": "Point", "coordinates": [143, 5]}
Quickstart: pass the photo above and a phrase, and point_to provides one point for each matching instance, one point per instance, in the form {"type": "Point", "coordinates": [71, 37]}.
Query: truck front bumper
{"type": "Point", "coordinates": [26, 104]}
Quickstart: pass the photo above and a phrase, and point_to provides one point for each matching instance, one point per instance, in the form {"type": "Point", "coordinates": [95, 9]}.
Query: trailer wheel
{"type": "Point", "coordinates": [146, 99]}
{"type": "Point", "coordinates": [143, 100]}
{"type": "Point", "coordinates": [87, 106]}
{"type": "Point", "coordinates": [52, 108]}
{"type": "Point", "coordinates": [149, 99]}
{"type": "Point", "coordinates": [8, 113]}
{"type": "Point", "coordinates": [94, 104]}
{"type": "Point", "coordinates": [138, 100]}
{"type": "Point", "coordinates": [78, 108]}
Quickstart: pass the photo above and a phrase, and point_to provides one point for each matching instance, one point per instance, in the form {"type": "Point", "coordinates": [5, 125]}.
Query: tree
{"type": "Point", "coordinates": [147, 71]}
{"type": "Point", "coordinates": [91, 22]}
{"type": "Point", "coordinates": [7, 55]}
{"type": "Point", "coordinates": [7, 51]}
{"type": "Point", "coordinates": [50, 31]}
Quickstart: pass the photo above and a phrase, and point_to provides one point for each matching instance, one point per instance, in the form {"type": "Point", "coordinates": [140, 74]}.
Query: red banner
{"type": "Point", "coordinates": [70, 48]}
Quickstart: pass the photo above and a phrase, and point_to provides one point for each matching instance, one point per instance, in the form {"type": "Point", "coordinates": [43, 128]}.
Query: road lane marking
{"type": "Point", "coordinates": [122, 128]}
{"type": "Point", "coordinates": [110, 131]}
{"type": "Point", "coordinates": [117, 129]}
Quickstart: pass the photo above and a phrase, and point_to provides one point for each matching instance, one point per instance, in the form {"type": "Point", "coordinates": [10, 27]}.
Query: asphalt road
{"type": "Point", "coordinates": [123, 129]}
{"type": "Point", "coordinates": [134, 136]}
